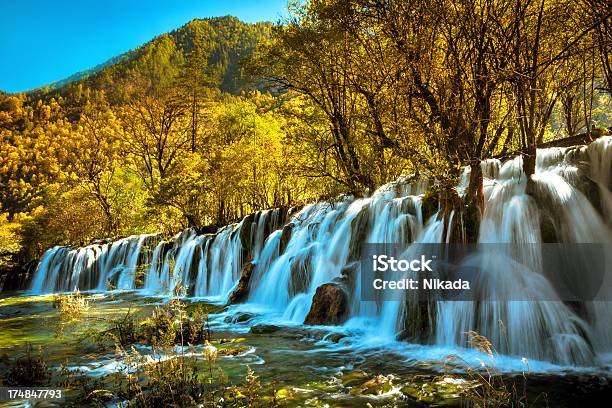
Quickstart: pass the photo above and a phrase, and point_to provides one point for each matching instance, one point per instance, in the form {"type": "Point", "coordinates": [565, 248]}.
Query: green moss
{"type": "Point", "coordinates": [444, 391]}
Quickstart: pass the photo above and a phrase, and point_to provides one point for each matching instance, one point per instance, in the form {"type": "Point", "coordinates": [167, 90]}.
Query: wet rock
{"type": "Point", "coordinates": [208, 229]}
{"type": "Point", "coordinates": [418, 322]}
{"type": "Point", "coordinates": [445, 391]}
{"type": "Point", "coordinates": [264, 329]}
{"type": "Point", "coordinates": [354, 378]}
{"type": "Point", "coordinates": [408, 207]}
{"type": "Point", "coordinates": [300, 272]}
{"type": "Point", "coordinates": [548, 229]}
{"type": "Point", "coordinates": [329, 306]}
{"type": "Point", "coordinates": [241, 292]}
{"type": "Point", "coordinates": [378, 385]}
{"type": "Point", "coordinates": [17, 277]}
{"type": "Point", "coordinates": [359, 229]}
{"type": "Point", "coordinates": [336, 337]}
{"type": "Point", "coordinates": [232, 350]}
{"type": "Point", "coordinates": [239, 318]}
{"type": "Point", "coordinates": [430, 204]}
{"type": "Point", "coordinates": [349, 275]}
{"type": "Point", "coordinates": [462, 218]}
{"type": "Point", "coordinates": [470, 219]}
{"type": "Point", "coordinates": [192, 273]}
{"type": "Point", "coordinates": [593, 193]}
{"type": "Point", "coordinates": [285, 237]}
{"type": "Point", "coordinates": [294, 210]}
{"type": "Point", "coordinates": [246, 233]}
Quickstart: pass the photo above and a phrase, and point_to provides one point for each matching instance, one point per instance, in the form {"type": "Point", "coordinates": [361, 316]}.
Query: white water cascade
{"type": "Point", "coordinates": [569, 200]}
{"type": "Point", "coordinates": [188, 264]}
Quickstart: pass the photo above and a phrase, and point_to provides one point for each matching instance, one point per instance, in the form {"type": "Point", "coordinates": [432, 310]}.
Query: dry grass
{"type": "Point", "coordinates": [489, 389]}
{"type": "Point", "coordinates": [71, 306]}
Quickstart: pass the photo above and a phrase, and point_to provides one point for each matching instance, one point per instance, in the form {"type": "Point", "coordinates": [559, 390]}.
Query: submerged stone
{"type": "Point", "coordinates": [264, 329]}
{"type": "Point", "coordinates": [336, 337]}
{"type": "Point", "coordinates": [239, 318]}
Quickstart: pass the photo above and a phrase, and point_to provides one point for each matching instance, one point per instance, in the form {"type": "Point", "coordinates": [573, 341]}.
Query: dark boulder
{"type": "Point", "coordinates": [329, 306]}
{"type": "Point", "coordinates": [359, 230]}
{"type": "Point", "coordinates": [285, 237]}
{"type": "Point", "coordinates": [208, 229]}
{"type": "Point", "coordinates": [294, 210]}
{"type": "Point", "coordinates": [17, 277]}
{"type": "Point", "coordinates": [241, 292]}
{"type": "Point", "coordinates": [246, 233]}
{"type": "Point", "coordinates": [430, 204]}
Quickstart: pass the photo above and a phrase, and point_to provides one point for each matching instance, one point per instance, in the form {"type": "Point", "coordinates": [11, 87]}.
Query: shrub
{"type": "Point", "coordinates": [486, 386]}
{"type": "Point", "coordinates": [71, 306]}
{"type": "Point", "coordinates": [28, 371]}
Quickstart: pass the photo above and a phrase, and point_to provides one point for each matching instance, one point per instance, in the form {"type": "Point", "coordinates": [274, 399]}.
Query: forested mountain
{"type": "Point", "coordinates": [226, 39]}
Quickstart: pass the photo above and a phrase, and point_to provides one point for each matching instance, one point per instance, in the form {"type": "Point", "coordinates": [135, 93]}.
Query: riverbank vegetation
{"type": "Point", "coordinates": [148, 356]}
{"type": "Point", "coordinates": [218, 119]}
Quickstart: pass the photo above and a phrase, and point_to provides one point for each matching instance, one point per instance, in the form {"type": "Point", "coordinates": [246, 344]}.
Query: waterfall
{"type": "Point", "coordinates": [206, 265]}
{"type": "Point", "coordinates": [567, 200]}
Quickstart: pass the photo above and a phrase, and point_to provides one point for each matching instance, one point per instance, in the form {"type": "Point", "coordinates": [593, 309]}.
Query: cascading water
{"type": "Point", "coordinates": [568, 200]}
{"type": "Point", "coordinates": [197, 265]}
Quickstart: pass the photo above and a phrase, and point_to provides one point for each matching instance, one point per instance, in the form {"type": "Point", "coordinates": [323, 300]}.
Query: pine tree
{"type": "Point", "coordinates": [195, 80]}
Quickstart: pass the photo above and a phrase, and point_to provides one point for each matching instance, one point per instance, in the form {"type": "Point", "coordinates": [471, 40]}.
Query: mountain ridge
{"type": "Point", "coordinates": [229, 40]}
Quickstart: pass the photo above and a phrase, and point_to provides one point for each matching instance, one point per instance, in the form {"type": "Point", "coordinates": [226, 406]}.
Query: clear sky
{"type": "Point", "coordinates": [42, 41]}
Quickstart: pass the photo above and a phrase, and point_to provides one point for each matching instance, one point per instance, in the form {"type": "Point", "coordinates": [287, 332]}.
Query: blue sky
{"type": "Point", "coordinates": [42, 41]}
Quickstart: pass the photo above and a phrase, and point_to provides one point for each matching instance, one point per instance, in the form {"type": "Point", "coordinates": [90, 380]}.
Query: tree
{"type": "Point", "coordinates": [92, 159]}
{"type": "Point", "coordinates": [312, 58]}
{"type": "Point", "coordinates": [196, 79]}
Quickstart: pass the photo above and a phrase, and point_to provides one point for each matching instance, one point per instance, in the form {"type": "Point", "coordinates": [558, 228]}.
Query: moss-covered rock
{"type": "Point", "coordinates": [232, 350]}
{"type": "Point", "coordinates": [377, 385]}
{"type": "Point", "coordinates": [441, 391]}
{"type": "Point", "coordinates": [239, 318]}
{"type": "Point", "coordinates": [264, 329]}
{"type": "Point", "coordinates": [354, 378]}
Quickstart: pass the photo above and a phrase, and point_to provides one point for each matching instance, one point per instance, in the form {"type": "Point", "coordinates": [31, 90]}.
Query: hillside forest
{"type": "Point", "coordinates": [206, 124]}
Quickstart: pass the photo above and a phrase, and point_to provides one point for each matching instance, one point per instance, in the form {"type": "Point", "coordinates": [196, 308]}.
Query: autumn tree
{"type": "Point", "coordinates": [311, 57]}
{"type": "Point", "coordinates": [93, 155]}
